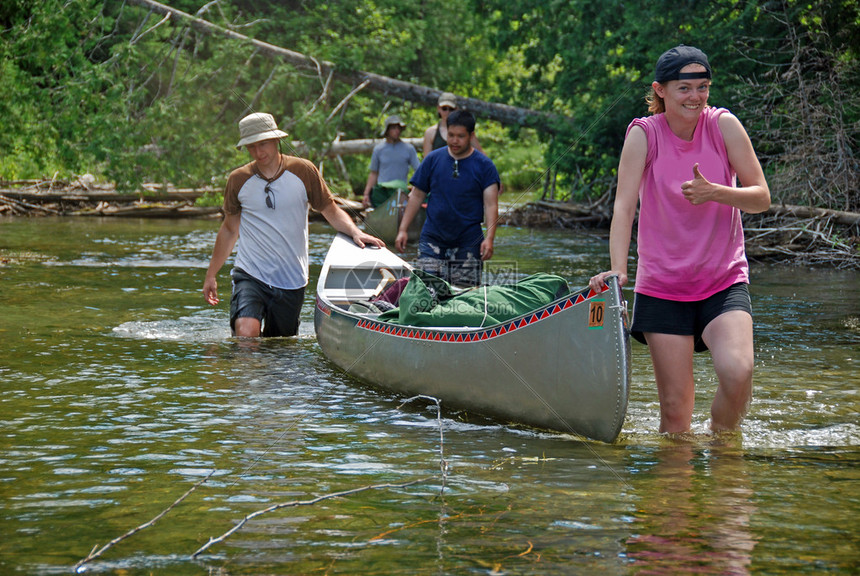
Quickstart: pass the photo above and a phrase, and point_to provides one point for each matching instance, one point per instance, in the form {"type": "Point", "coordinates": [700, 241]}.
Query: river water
{"type": "Point", "coordinates": [122, 390]}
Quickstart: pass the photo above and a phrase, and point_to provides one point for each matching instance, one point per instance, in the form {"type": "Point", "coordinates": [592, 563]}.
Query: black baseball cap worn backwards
{"type": "Point", "coordinates": [670, 63]}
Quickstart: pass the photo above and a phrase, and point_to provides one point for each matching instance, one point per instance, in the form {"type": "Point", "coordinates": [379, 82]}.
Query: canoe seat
{"type": "Point", "coordinates": [358, 283]}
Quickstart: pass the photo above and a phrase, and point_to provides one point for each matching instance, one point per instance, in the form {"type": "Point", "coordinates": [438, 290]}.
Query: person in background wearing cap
{"type": "Point", "coordinates": [436, 136]}
{"type": "Point", "coordinates": [682, 164]}
{"type": "Point", "coordinates": [463, 188]}
{"type": "Point", "coordinates": [266, 210]}
{"type": "Point", "coordinates": [389, 162]}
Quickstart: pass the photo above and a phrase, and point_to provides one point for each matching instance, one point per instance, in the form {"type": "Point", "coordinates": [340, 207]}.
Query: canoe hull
{"type": "Point", "coordinates": [563, 367]}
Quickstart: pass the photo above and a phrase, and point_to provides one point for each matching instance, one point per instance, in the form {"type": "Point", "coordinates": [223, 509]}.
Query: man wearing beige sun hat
{"type": "Point", "coordinates": [266, 210]}
{"type": "Point", "coordinates": [257, 127]}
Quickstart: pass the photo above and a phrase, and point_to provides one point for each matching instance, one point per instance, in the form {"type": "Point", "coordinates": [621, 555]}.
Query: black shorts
{"type": "Point", "coordinates": [276, 308]}
{"type": "Point", "coordinates": [686, 318]}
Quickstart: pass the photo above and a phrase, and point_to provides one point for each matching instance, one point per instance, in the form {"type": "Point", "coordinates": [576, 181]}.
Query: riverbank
{"type": "Point", "coordinates": [799, 235]}
{"type": "Point", "coordinates": [85, 197]}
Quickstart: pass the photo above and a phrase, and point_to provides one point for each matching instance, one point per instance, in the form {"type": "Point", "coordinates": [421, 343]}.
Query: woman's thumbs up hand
{"type": "Point", "coordinates": [698, 190]}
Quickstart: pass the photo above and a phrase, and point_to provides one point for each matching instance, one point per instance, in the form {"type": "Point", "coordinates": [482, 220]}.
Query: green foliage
{"type": "Point", "coordinates": [802, 108]}
{"type": "Point", "coordinates": [210, 199]}
{"type": "Point", "coordinates": [52, 93]}
{"type": "Point", "coordinates": [521, 165]}
{"type": "Point", "coordinates": [594, 61]}
{"type": "Point", "coordinates": [111, 89]}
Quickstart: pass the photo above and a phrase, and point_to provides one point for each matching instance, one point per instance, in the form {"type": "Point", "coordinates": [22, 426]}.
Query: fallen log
{"type": "Point", "coordinates": [20, 203]}
{"type": "Point", "coordinates": [839, 216]}
{"type": "Point", "coordinates": [179, 211]}
{"type": "Point", "coordinates": [511, 115]}
{"type": "Point", "coordinates": [84, 196]}
{"type": "Point", "coordinates": [105, 201]}
{"type": "Point", "coordinates": [347, 147]}
{"type": "Point", "coordinates": [575, 209]}
{"type": "Point", "coordinates": [548, 214]}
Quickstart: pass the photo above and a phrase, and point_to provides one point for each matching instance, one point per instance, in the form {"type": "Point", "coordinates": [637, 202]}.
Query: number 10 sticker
{"type": "Point", "coordinates": [595, 313]}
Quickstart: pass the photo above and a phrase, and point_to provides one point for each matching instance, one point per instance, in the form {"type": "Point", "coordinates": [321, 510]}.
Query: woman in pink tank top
{"type": "Point", "coordinates": [681, 166]}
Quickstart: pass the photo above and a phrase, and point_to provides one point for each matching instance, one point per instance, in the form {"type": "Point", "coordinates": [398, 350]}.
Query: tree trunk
{"type": "Point", "coordinates": [347, 147]}
{"type": "Point", "coordinates": [542, 121]}
{"type": "Point", "coordinates": [838, 216]}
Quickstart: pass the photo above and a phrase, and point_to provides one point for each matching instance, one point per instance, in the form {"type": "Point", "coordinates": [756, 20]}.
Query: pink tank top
{"type": "Point", "coordinates": [686, 252]}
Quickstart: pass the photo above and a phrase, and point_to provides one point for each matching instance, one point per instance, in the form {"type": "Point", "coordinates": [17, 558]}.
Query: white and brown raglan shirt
{"type": "Point", "coordinates": [273, 242]}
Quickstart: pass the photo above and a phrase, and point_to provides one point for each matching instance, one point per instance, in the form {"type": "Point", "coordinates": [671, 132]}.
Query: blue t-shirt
{"type": "Point", "coordinates": [455, 207]}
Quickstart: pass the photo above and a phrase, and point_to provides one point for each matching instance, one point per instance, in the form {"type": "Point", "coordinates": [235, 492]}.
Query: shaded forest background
{"type": "Point", "coordinates": [114, 89]}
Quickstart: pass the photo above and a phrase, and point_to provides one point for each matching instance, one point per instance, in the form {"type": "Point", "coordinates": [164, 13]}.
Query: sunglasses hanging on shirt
{"type": "Point", "coordinates": [456, 168]}
{"type": "Point", "coordinates": [270, 196]}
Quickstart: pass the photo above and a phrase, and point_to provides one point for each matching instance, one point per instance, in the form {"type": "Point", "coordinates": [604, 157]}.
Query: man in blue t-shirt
{"type": "Point", "coordinates": [463, 185]}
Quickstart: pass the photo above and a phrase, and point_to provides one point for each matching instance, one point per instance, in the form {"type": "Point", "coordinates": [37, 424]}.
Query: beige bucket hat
{"type": "Point", "coordinates": [257, 127]}
{"type": "Point", "coordinates": [392, 121]}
